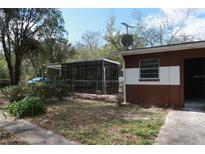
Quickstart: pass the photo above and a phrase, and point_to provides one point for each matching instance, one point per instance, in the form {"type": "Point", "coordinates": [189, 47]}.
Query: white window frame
{"type": "Point", "coordinates": [149, 79]}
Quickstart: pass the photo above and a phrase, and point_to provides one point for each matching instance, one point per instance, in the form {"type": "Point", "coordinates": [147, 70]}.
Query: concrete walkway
{"type": "Point", "coordinates": [33, 134]}
{"type": "Point", "coordinates": [183, 127]}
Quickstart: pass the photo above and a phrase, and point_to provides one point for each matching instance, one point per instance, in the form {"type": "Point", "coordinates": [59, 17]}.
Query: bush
{"type": "Point", "coordinates": [15, 93]}
{"type": "Point", "coordinates": [41, 89]}
{"type": "Point", "coordinates": [29, 106]}
{"type": "Point", "coordinates": [60, 90]}
{"type": "Point", "coordinates": [119, 99]}
{"type": "Point", "coordinates": [45, 91]}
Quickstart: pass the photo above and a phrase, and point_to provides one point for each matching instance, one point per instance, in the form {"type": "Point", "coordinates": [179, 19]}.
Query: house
{"type": "Point", "coordinates": [164, 75]}
{"type": "Point", "coordinates": [92, 76]}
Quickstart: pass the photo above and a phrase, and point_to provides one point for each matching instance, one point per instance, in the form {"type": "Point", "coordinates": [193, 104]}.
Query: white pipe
{"type": "Point", "coordinates": [124, 80]}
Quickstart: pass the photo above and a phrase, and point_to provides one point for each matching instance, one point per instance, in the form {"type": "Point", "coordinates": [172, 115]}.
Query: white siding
{"type": "Point", "coordinates": [175, 75]}
{"type": "Point", "coordinates": [169, 75]}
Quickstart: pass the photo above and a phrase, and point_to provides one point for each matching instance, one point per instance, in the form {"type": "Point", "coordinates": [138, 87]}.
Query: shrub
{"type": "Point", "coordinates": [14, 93]}
{"type": "Point", "coordinates": [29, 106]}
{"type": "Point", "coordinates": [119, 99]}
{"type": "Point", "coordinates": [45, 91]}
{"type": "Point", "coordinates": [60, 90]}
{"type": "Point", "coordinates": [41, 89]}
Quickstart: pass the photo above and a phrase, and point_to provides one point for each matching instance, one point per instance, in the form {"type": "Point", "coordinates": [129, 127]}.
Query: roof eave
{"type": "Point", "coordinates": [177, 47]}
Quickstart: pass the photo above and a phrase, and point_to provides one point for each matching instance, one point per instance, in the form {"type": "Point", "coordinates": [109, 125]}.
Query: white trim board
{"type": "Point", "coordinates": [168, 75]}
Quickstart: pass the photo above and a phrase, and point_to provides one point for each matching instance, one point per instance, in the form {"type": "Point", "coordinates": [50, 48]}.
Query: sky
{"type": "Point", "coordinates": [78, 21]}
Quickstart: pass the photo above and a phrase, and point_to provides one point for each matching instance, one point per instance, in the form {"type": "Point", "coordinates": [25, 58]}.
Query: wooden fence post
{"type": "Point", "coordinates": [73, 88]}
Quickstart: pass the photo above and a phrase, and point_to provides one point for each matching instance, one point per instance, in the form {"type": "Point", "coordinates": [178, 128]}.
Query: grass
{"type": "Point", "coordinates": [91, 122]}
{"type": "Point", "coordinates": [9, 139]}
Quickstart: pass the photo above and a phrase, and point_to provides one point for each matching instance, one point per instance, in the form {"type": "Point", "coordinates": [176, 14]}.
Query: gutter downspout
{"type": "Point", "coordinates": [124, 80]}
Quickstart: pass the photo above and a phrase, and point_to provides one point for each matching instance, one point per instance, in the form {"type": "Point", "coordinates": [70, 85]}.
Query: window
{"type": "Point", "coordinates": [149, 69]}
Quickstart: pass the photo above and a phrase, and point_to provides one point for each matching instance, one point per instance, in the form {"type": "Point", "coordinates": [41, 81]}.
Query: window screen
{"type": "Point", "coordinates": [149, 69]}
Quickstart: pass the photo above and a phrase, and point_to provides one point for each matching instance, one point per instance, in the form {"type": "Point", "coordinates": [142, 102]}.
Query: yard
{"type": "Point", "coordinates": [95, 122]}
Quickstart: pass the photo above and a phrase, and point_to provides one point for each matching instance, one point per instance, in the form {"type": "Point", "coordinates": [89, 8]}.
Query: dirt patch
{"type": "Point", "coordinates": [3, 101]}
{"type": "Point", "coordinates": [105, 98]}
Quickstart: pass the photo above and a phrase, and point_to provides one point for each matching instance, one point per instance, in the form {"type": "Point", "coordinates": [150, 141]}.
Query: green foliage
{"type": "Point", "coordinates": [112, 36]}
{"type": "Point", "coordinates": [40, 25]}
{"type": "Point", "coordinates": [45, 91]}
{"type": "Point", "coordinates": [3, 68]}
{"type": "Point", "coordinates": [60, 90]}
{"type": "Point", "coordinates": [140, 133]}
{"type": "Point", "coordinates": [42, 90]}
{"type": "Point", "coordinates": [27, 71]}
{"type": "Point", "coordinates": [15, 93]}
{"type": "Point", "coordinates": [53, 50]}
{"type": "Point", "coordinates": [144, 129]}
{"type": "Point", "coordinates": [83, 53]}
{"type": "Point", "coordinates": [29, 106]}
{"type": "Point", "coordinates": [91, 40]}
{"type": "Point", "coordinates": [145, 142]}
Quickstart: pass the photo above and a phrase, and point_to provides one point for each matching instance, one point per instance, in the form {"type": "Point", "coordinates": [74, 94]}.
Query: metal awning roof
{"type": "Point", "coordinates": [94, 60]}
{"type": "Point", "coordinates": [166, 48]}
{"type": "Point", "coordinates": [57, 66]}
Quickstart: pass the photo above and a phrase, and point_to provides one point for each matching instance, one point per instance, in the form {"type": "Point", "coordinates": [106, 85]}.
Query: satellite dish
{"type": "Point", "coordinates": [127, 40]}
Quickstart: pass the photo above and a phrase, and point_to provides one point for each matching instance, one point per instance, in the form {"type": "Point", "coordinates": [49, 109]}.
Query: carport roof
{"type": "Point", "coordinates": [166, 48]}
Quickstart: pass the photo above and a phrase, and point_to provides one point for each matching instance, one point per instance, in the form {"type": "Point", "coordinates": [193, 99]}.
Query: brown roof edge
{"type": "Point", "coordinates": [173, 47]}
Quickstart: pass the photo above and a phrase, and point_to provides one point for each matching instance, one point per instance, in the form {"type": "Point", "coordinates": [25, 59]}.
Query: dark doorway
{"type": "Point", "coordinates": [194, 78]}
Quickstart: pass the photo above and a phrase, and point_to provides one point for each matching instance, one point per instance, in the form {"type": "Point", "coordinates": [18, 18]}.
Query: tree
{"type": "Point", "coordinates": [112, 35]}
{"type": "Point", "coordinates": [3, 68]}
{"type": "Point", "coordinates": [59, 49]}
{"type": "Point", "coordinates": [91, 40]}
{"type": "Point", "coordinates": [18, 30]}
{"type": "Point", "coordinates": [35, 57]}
{"type": "Point", "coordinates": [161, 28]}
{"type": "Point", "coordinates": [49, 51]}
{"type": "Point", "coordinates": [88, 47]}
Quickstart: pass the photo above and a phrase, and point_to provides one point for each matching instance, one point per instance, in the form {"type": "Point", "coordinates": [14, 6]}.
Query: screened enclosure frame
{"type": "Point", "coordinates": [92, 76]}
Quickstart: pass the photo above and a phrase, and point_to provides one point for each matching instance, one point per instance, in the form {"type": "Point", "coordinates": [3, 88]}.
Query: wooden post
{"type": "Point", "coordinates": [104, 78]}
{"type": "Point", "coordinates": [73, 81]}
{"type": "Point", "coordinates": [73, 89]}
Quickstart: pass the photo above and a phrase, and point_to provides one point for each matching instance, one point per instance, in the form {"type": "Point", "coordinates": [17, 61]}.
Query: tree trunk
{"type": "Point", "coordinates": [11, 73]}
{"type": "Point", "coordinates": [17, 69]}
{"type": "Point", "coordinates": [14, 71]}
{"type": "Point", "coordinates": [7, 53]}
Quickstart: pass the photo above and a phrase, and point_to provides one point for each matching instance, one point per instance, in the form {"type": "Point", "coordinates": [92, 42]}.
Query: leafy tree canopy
{"type": "Point", "coordinates": [23, 30]}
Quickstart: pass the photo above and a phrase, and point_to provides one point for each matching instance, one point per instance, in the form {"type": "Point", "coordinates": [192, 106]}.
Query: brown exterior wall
{"type": "Point", "coordinates": [153, 95]}
{"type": "Point", "coordinates": [166, 59]}
{"type": "Point", "coordinates": [160, 95]}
